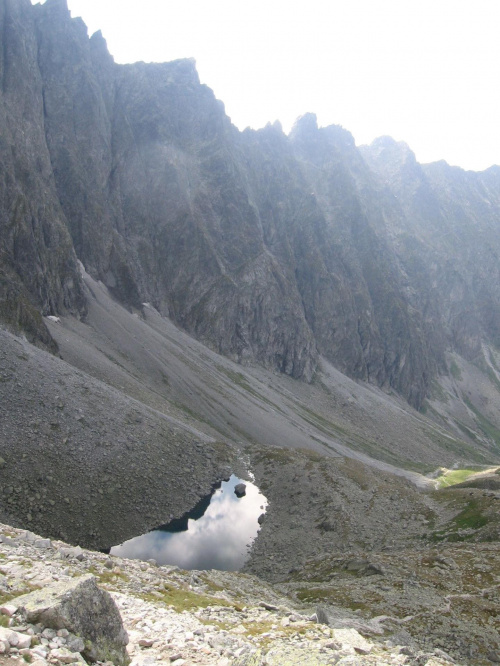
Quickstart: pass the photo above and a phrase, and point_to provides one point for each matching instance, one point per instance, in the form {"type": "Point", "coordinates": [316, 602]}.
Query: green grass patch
{"type": "Point", "coordinates": [273, 454]}
{"type": "Point", "coordinates": [430, 408]}
{"type": "Point", "coordinates": [111, 577]}
{"type": "Point", "coordinates": [331, 595]}
{"type": "Point", "coordinates": [453, 476]}
{"type": "Point", "coordinates": [467, 431]}
{"type": "Point", "coordinates": [108, 577]}
{"type": "Point", "coordinates": [213, 587]}
{"type": "Point", "coordinates": [471, 517]}
{"type": "Point", "coordinates": [184, 599]}
{"type": "Point", "coordinates": [458, 446]}
{"type": "Point", "coordinates": [493, 377]}
{"type": "Point", "coordinates": [455, 371]}
{"type": "Point", "coordinates": [5, 597]}
{"type": "Point", "coordinates": [464, 526]}
{"type": "Point", "coordinates": [236, 377]}
{"type": "Point", "coordinates": [194, 415]}
{"type": "Point", "coordinates": [438, 393]}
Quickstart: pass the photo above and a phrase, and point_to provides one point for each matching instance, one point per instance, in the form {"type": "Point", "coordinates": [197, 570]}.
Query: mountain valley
{"type": "Point", "coordinates": [181, 301]}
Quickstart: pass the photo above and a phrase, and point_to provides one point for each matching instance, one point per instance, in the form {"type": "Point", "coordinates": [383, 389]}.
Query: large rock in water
{"type": "Point", "coordinates": [240, 489]}
{"type": "Point", "coordinates": [83, 609]}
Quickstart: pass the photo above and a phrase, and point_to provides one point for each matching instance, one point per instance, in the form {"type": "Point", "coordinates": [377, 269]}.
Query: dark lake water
{"type": "Point", "coordinates": [216, 534]}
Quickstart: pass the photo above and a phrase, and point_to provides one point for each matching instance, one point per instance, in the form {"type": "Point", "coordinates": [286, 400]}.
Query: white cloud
{"type": "Point", "coordinates": [218, 540]}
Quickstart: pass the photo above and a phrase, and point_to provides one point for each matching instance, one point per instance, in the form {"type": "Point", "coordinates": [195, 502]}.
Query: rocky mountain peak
{"type": "Point", "coordinates": [306, 124]}
{"type": "Point", "coordinates": [55, 9]}
{"type": "Point", "coordinates": [182, 71]}
{"type": "Point", "coordinates": [99, 45]}
{"type": "Point", "coordinates": [391, 159]}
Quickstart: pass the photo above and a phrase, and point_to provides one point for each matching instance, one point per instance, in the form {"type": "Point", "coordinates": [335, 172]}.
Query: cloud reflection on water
{"type": "Point", "coordinates": [217, 540]}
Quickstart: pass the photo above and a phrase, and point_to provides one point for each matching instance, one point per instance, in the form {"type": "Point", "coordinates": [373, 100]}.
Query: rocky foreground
{"type": "Point", "coordinates": [171, 616]}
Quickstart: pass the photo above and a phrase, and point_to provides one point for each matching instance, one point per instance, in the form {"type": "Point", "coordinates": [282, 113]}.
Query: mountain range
{"type": "Point", "coordinates": [267, 248]}
{"type": "Point", "coordinates": [180, 300]}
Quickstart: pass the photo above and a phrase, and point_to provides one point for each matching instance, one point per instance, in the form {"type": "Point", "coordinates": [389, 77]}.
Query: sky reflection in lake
{"type": "Point", "coordinates": [217, 540]}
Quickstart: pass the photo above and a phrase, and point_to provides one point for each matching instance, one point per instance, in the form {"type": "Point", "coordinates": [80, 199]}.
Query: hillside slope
{"type": "Point", "coordinates": [140, 416]}
{"type": "Point", "coordinates": [205, 617]}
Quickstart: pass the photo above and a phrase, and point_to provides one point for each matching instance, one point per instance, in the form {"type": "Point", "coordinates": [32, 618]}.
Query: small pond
{"type": "Point", "coordinates": [216, 534]}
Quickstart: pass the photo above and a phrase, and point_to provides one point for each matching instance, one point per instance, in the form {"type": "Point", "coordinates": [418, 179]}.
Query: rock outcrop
{"type": "Point", "coordinates": [38, 267]}
{"type": "Point", "coordinates": [221, 618]}
{"type": "Point", "coordinates": [240, 490]}
{"type": "Point", "coordinates": [83, 609]}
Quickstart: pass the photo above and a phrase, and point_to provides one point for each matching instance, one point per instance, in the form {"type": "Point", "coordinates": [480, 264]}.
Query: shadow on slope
{"type": "Point", "coordinates": [84, 462]}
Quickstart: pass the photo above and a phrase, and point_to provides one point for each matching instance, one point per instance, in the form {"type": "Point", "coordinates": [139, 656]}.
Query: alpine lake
{"type": "Point", "coordinates": [216, 534]}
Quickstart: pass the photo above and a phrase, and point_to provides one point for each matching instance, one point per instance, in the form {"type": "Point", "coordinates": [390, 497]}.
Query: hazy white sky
{"type": "Point", "coordinates": [423, 71]}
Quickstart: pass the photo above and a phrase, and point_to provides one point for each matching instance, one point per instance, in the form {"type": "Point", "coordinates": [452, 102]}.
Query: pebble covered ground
{"type": "Point", "coordinates": [180, 617]}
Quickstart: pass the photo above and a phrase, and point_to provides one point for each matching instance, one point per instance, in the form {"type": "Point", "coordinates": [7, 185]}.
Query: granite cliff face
{"type": "Point", "coordinates": [448, 243]}
{"type": "Point", "coordinates": [268, 248]}
{"type": "Point", "coordinates": [38, 269]}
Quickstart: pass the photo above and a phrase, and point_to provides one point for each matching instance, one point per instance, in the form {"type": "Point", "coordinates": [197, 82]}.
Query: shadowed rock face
{"type": "Point", "coordinates": [448, 244]}
{"type": "Point", "coordinates": [265, 247]}
{"type": "Point", "coordinates": [38, 271]}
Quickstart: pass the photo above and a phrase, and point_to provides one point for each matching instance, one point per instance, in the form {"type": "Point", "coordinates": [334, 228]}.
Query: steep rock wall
{"type": "Point", "coordinates": [38, 270]}
{"type": "Point", "coordinates": [268, 248]}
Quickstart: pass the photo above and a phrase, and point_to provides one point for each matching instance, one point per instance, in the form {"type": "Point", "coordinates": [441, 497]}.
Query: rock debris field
{"type": "Point", "coordinates": [170, 616]}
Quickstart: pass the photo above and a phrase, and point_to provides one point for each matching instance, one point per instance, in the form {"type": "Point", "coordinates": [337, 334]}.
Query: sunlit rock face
{"type": "Point", "coordinates": [269, 248]}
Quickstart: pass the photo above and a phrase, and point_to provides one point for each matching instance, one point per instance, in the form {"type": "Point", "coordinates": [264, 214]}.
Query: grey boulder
{"type": "Point", "coordinates": [83, 609]}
